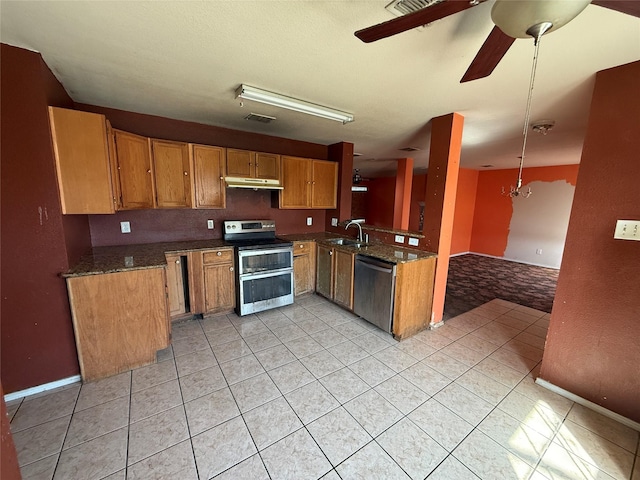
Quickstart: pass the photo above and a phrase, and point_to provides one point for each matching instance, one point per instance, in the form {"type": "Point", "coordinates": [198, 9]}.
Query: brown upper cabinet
{"type": "Point", "coordinates": [207, 166]}
{"type": "Point", "coordinates": [308, 183]}
{"type": "Point", "coordinates": [246, 164]}
{"type": "Point", "coordinates": [172, 174]}
{"type": "Point", "coordinates": [82, 161]}
{"type": "Point", "coordinates": [133, 174]}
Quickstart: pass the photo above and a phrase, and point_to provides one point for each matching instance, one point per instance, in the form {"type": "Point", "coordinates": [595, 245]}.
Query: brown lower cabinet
{"type": "Point", "coordinates": [334, 275]}
{"type": "Point", "coordinates": [211, 276]}
{"type": "Point", "coordinates": [116, 330]}
{"type": "Point", "coordinates": [175, 285]}
{"type": "Point", "coordinates": [304, 267]}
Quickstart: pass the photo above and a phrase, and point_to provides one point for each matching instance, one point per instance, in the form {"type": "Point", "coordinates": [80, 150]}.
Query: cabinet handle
{"type": "Point", "coordinates": [221, 178]}
{"type": "Point", "coordinates": [301, 246]}
{"type": "Point", "coordinates": [149, 171]}
{"type": "Point", "coordinates": [231, 269]}
{"type": "Point", "coordinates": [178, 262]}
{"type": "Point", "coordinates": [185, 174]}
{"type": "Point", "coordinates": [219, 253]}
{"type": "Point", "coordinates": [330, 252]}
{"type": "Point", "coordinates": [313, 183]}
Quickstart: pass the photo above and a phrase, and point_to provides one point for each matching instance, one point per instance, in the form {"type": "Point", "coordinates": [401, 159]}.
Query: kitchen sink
{"type": "Point", "coordinates": [346, 242]}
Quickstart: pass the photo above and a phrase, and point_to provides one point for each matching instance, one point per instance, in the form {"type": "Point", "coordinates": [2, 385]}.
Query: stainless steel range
{"type": "Point", "coordinates": [265, 265]}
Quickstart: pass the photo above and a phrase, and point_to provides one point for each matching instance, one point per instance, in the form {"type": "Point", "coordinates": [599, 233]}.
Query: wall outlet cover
{"type": "Point", "coordinates": [309, 221]}
{"type": "Point", "coordinates": [210, 224]}
{"type": "Point", "coordinates": [538, 251]}
{"type": "Point", "coordinates": [413, 241]}
{"type": "Point", "coordinates": [627, 230]}
{"type": "Point", "coordinates": [399, 239]}
{"type": "Point", "coordinates": [125, 227]}
{"type": "Point", "coordinates": [334, 222]}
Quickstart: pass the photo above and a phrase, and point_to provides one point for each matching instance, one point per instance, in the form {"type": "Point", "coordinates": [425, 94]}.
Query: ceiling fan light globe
{"type": "Point", "coordinates": [515, 17]}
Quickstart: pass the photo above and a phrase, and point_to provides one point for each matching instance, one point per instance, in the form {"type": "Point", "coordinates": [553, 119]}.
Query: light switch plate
{"type": "Point", "coordinates": [309, 221]}
{"type": "Point", "coordinates": [334, 222]}
{"type": "Point", "coordinates": [399, 238]}
{"type": "Point", "coordinates": [627, 230]}
{"type": "Point", "coordinates": [210, 224]}
{"type": "Point", "coordinates": [413, 241]}
{"type": "Point", "coordinates": [125, 227]}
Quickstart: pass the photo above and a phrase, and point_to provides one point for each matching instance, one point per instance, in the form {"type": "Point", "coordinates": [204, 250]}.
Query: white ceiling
{"type": "Point", "coordinates": [184, 60]}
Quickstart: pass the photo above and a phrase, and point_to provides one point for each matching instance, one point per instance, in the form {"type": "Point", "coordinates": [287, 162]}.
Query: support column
{"type": "Point", "coordinates": [402, 198]}
{"type": "Point", "coordinates": [440, 199]}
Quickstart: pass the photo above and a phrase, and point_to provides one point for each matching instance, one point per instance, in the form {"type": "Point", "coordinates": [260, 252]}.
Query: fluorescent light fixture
{"type": "Point", "coordinates": [257, 95]}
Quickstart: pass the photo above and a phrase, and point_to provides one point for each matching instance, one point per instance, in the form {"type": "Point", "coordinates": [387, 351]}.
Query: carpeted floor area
{"type": "Point", "coordinates": [474, 280]}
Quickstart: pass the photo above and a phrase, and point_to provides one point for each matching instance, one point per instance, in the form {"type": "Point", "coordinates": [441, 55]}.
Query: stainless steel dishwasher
{"type": "Point", "coordinates": [373, 290]}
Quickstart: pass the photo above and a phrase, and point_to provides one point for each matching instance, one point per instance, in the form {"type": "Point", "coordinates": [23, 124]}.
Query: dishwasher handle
{"type": "Point", "coordinates": [375, 267]}
{"type": "Point", "coordinates": [374, 264]}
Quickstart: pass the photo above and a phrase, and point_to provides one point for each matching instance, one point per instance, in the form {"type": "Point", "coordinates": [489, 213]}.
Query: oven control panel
{"type": "Point", "coordinates": [249, 226]}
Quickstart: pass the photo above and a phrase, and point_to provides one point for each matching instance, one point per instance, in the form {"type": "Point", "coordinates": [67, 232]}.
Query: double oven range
{"type": "Point", "coordinates": [264, 276]}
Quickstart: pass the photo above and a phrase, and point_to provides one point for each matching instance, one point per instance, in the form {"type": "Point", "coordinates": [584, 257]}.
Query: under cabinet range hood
{"type": "Point", "coordinates": [255, 183]}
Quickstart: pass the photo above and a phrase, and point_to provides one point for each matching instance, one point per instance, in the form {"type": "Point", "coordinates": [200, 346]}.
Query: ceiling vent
{"type": "Point", "coordinates": [409, 149]}
{"type": "Point", "coordinates": [257, 117]}
{"type": "Point", "coordinates": [403, 7]}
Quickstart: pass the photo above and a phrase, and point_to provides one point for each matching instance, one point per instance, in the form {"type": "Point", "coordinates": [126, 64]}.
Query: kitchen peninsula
{"type": "Point", "coordinates": [121, 296]}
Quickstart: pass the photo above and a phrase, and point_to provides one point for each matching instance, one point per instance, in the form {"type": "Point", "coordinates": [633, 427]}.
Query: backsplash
{"type": "Point", "coordinates": [169, 225]}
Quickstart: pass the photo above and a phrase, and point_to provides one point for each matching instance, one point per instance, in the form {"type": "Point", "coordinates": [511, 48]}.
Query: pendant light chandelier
{"type": "Point", "coordinates": [522, 19]}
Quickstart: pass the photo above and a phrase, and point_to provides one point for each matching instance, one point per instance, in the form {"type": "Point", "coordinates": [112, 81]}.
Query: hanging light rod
{"type": "Point", "coordinates": [263, 96]}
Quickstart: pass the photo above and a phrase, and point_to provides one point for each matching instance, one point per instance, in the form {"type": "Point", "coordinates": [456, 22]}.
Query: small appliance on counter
{"type": "Point", "coordinates": [264, 265]}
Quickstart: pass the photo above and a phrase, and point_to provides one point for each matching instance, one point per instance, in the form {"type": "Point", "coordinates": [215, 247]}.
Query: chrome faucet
{"type": "Point", "coordinates": [357, 223]}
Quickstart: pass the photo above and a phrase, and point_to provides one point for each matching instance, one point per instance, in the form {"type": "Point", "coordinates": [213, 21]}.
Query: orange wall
{"type": "Point", "coordinates": [592, 346]}
{"type": "Point", "coordinates": [465, 208]}
{"type": "Point", "coordinates": [493, 211]}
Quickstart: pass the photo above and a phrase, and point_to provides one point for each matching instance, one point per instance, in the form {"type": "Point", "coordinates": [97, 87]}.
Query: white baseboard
{"type": "Point", "coordinates": [459, 254]}
{"type": "Point", "coordinates": [42, 388]}
{"type": "Point", "coordinates": [589, 404]}
{"type": "Point", "coordinates": [509, 260]}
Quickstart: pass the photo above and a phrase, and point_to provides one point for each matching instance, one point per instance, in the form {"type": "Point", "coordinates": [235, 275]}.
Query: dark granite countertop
{"type": "Point", "coordinates": [122, 258]}
{"type": "Point", "coordinates": [389, 253]}
{"type": "Point", "coordinates": [135, 257]}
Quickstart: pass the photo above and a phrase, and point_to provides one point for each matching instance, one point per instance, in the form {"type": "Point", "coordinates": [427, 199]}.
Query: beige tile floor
{"type": "Point", "coordinates": [311, 391]}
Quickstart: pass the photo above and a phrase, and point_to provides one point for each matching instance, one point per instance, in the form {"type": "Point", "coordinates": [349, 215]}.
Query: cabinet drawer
{"type": "Point", "coordinates": [217, 256]}
{"type": "Point", "coordinates": [302, 248]}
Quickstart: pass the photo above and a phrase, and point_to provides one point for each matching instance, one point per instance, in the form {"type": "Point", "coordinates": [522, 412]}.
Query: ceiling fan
{"type": "Point", "coordinates": [513, 19]}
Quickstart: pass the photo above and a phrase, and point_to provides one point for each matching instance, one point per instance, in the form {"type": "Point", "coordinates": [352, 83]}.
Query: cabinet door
{"type": "Point", "coordinates": [240, 163]}
{"type": "Point", "coordinates": [304, 267]}
{"type": "Point", "coordinates": [219, 288]}
{"type": "Point", "coordinates": [296, 182]}
{"type": "Point", "coordinates": [82, 161]}
{"type": "Point", "coordinates": [343, 278]}
{"type": "Point", "coordinates": [267, 166]}
{"type": "Point", "coordinates": [120, 320]}
{"type": "Point", "coordinates": [208, 176]}
{"type": "Point", "coordinates": [324, 186]}
{"type": "Point", "coordinates": [175, 285]}
{"type": "Point", "coordinates": [172, 174]}
{"type": "Point", "coordinates": [324, 271]}
{"type": "Point", "coordinates": [134, 170]}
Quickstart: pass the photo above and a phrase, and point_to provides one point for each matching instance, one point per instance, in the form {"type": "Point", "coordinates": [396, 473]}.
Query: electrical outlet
{"type": "Point", "coordinates": [309, 221]}
{"type": "Point", "coordinates": [210, 224]}
{"type": "Point", "coordinates": [627, 230]}
{"type": "Point", "coordinates": [125, 227]}
{"type": "Point", "coordinates": [334, 222]}
{"type": "Point", "coordinates": [413, 241]}
{"type": "Point", "coordinates": [399, 239]}
{"type": "Point", "coordinates": [538, 251]}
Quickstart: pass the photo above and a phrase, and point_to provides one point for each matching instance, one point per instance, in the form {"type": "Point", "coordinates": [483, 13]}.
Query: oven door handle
{"type": "Point", "coordinates": [266, 272]}
{"type": "Point", "coordinates": [265, 251]}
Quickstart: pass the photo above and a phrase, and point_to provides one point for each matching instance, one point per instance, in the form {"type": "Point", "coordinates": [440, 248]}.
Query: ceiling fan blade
{"type": "Point", "coordinates": [489, 55]}
{"type": "Point", "coordinates": [630, 7]}
{"type": "Point", "coordinates": [413, 20]}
